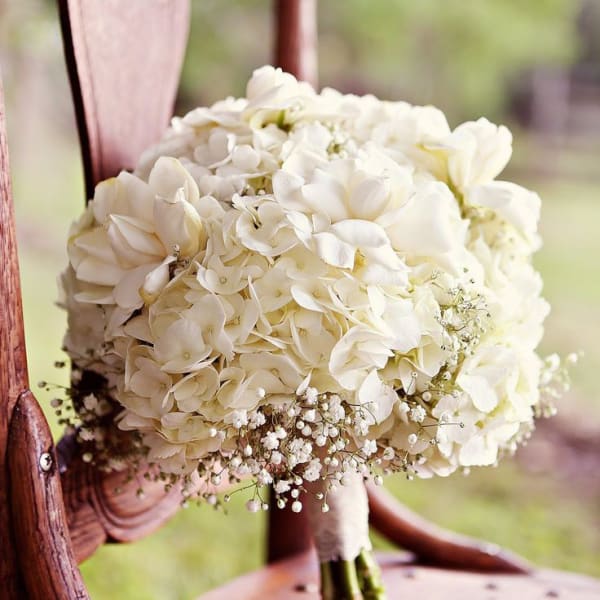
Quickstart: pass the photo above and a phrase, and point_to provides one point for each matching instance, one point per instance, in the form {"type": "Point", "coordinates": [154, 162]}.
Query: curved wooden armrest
{"type": "Point", "coordinates": [433, 545]}
{"type": "Point", "coordinates": [110, 507]}
{"type": "Point", "coordinates": [106, 506]}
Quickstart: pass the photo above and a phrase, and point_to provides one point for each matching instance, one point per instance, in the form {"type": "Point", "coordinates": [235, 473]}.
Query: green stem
{"type": "Point", "coordinates": [339, 581]}
{"type": "Point", "coordinates": [369, 576]}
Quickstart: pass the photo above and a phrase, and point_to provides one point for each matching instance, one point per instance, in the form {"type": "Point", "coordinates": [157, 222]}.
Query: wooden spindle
{"type": "Point", "coordinates": [296, 38]}
{"type": "Point", "coordinates": [289, 533]}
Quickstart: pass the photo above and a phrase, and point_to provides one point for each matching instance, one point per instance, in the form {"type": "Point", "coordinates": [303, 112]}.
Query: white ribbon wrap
{"type": "Point", "coordinates": [343, 531]}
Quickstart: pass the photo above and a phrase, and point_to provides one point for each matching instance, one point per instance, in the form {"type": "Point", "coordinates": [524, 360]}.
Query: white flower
{"type": "Point", "coordinates": [513, 203]}
{"type": "Point", "coordinates": [477, 152]}
{"type": "Point", "coordinates": [417, 414]}
{"type": "Point", "coordinates": [312, 471]}
{"type": "Point", "coordinates": [369, 447]}
{"type": "Point", "coordinates": [264, 477]}
{"type": "Point", "coordinates": [270, 441]}
{"type": "Point", "coordinates": [178, 225]}
{"type": "Point", "coordinates": [281, 486]}
{"type": "Point", "coordinates": [296, 276]}
{"type": "Point", "coordinates": [359, 351]}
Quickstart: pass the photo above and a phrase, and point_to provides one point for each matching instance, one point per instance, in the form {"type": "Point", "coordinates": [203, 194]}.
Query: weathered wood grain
{"type": "Point", "coordinates": [40, 527]}
{"type": "Point", "coordinates": [297, 578]}
{"type": "Point", "coordinates": [106, 507]}
{"type": "Point", "coordinates": [13, 361]}
{"type": "Point", "coordinates": [124, 61]}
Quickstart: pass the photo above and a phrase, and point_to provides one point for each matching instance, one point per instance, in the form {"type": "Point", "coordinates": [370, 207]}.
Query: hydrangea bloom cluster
{"type": "Point", "coordinates": [299, 286]}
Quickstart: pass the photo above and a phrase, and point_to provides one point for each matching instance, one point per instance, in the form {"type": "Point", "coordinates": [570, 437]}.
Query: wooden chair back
{"type": "Point", "coordinates": [124, 61]}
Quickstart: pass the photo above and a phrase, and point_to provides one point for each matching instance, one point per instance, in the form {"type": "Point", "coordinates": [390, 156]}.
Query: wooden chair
{"type": "Point", "coordinates": [124, 60]}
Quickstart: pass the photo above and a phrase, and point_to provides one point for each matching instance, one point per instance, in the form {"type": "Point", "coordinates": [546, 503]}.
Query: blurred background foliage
{"type": "Point", "coordinates": [533, 65]}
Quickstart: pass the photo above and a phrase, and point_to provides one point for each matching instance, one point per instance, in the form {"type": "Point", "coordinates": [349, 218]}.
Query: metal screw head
{"type": "Point", "coordinates": [46, 461]}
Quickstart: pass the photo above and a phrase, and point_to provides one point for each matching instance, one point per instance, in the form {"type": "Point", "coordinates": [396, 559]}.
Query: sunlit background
{"type": "Point", "coordinates": [534, 66]}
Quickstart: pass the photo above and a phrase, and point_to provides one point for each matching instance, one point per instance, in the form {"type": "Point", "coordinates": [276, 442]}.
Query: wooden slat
{"type": "Point", "coordinates": [295, 22]}
{"type": "Point", "coordinates": [297, 578]}
{"type": "Point", "coordinates": [13, 360]}
{"type": "Point", "coordinates": [296, 38]}
{"type": "Point", "coordinates": [39, 522]}
{"type": "Point", "coordinates": [124, 61]}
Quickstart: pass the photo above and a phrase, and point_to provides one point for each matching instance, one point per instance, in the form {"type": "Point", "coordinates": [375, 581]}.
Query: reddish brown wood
{"type": "Point", "coordinates": [288, 533]}
{"type": "Point", "coordinates": [434, 545]}
{"type": "Point", "coordinates": [39, 522]}
{"type": "Point", "coordinates": [124, 60]}
{"type": "Point", "coordinates": [295, 21]}
{"type": "Point", "coordinates": [297, 578]}
{"type": "Point", "coordinates": [296, 38]}
{"type": "Point", "coordinates": [13, 361]}
{"type": "Point", "coordinates": [105, 507]}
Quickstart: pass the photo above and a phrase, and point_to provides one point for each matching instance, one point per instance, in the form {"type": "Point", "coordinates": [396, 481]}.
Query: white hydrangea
{"type": "Point", "coordinates": [338, 255]}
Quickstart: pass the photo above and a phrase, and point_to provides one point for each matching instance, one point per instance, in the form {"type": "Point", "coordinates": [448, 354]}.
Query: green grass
{"type": "Point", "coordinates": [540, 516]}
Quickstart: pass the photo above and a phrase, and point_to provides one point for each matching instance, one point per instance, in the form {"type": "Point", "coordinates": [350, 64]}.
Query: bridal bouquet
{"type": "Point", "coordinates": [307, 290]}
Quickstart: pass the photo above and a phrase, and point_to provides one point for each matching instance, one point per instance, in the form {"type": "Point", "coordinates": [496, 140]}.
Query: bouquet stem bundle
{"type": "Point", "coordinates": [340, 526]}
{"type": "Point", "coordinates": [358, 579]}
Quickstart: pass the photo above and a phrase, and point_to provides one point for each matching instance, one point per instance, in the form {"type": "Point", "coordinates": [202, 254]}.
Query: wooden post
{"type": "Point", "coordinates": [39, 521]}
{"type": "Point", "coordinates": [288, 533]}
{"type": "Point", "coordinates": [13, 361]}
{"type": "Point", "coordinates": [296, 38]}
{"type": "Point", "coordinates": [35, 536]}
